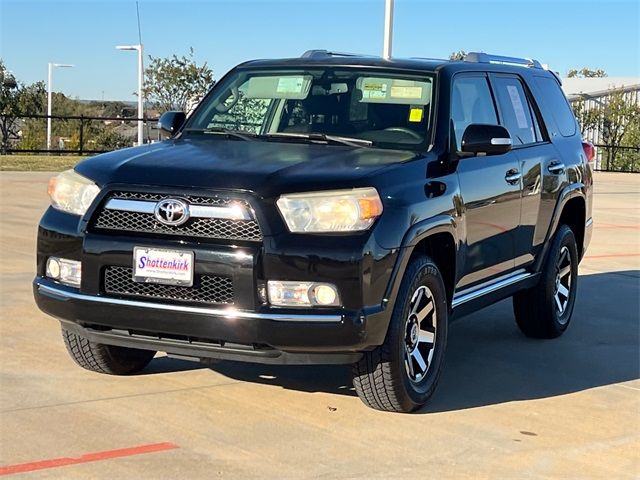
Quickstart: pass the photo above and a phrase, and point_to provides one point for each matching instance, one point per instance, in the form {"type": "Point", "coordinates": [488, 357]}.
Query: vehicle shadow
{"type": "Point", "coordinates": [490, 362]}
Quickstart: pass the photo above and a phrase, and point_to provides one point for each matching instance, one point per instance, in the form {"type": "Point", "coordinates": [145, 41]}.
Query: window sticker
{"type": "Point", "coordinates": [290, 85]}
{"type": "Point", "coordinates": [399, 91]}
{"type": "Point", "coordinates": [374, 90]}
{"type": "Point", "coordinates": [518, 108]}
{"type": "Point", "coordinates": [416, 114]}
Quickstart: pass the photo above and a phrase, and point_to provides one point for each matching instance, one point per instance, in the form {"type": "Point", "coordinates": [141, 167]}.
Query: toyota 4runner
{"type": "Point", "coordinates": [329, 209]}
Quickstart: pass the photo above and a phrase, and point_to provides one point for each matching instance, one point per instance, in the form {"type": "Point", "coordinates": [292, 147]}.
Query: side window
{"type": "Point", "coordinates": [556, 102]}
{"type": "Point", "coordinates": [471, 102]}
{"type": "Point", "coordinates": [516, 113]}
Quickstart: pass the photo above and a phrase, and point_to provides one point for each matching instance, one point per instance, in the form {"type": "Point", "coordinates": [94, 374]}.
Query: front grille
{"type": "Point", "coordinates": [206, 288]}
{"type": "Point", "coordinates": [217, 228]}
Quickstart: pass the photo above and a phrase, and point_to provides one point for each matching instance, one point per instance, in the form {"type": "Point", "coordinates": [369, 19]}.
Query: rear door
{"type": "Point", "coordinates": [490, 187]}
{"type": "Point", "coordinates": [534, 153]}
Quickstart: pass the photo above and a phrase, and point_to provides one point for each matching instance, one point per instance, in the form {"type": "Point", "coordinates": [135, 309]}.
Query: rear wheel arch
{"type": "Point", "coordinates": [573, 215]}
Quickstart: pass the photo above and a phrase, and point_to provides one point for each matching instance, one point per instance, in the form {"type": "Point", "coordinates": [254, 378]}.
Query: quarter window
{"type": "Point", "coordinates": [556, 102]}
{"type": "Point", "coordinates": [516, 113]}
{"type": "Point", "coordinates": [471, 102]}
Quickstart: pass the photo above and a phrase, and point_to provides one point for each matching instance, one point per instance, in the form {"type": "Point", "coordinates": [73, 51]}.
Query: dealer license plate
{"type": "Point", "coordinates": [159, 265]}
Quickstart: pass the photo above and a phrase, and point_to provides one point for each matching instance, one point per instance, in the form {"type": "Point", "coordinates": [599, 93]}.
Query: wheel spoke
{"type": "Point", "coordinates": [426, 336]}
{"type": "Point", "coordinates": [558, 302]}
{"type": "Point", "coordinates": [417, 298]}
{"type": "Point", "coordinates": [565, 271]}
{"type": "Point", "coordinates": [424, 312]}
{"type": "Point", "coordinates": [563, 256]}
{"type": "Point", "coordinates": [409, 364]}
{"type": "Point", "coordinates": [418, 357]}
{"type": "Point", "coordinates": [564, 291]}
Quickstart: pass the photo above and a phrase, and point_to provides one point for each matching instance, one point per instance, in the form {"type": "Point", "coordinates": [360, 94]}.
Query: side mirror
{"type": "Point", "coordinates": [486, 139]}
{"type": "Point", "coordinates": [170, 123]}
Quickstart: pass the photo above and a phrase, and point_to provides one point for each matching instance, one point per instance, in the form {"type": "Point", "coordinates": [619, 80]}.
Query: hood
{"type": "Point", "coordinates": [264, 167]}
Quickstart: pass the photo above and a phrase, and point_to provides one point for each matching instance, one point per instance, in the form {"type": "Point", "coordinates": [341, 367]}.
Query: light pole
{"type": "Point", "coordinates": [139, 48]}
{"type": "Point", "coordinates": [49, 90]}
{"type": "Point", "coordinates": [388, 29]}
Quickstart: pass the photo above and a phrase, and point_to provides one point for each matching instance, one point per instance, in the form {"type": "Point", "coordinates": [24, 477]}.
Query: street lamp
{"type": "Point", "coordinates": [49, 90]}
{"type": "Point", "coordinates": [388, 29]}
{"type": "Point", "coordinates": [139, 49]}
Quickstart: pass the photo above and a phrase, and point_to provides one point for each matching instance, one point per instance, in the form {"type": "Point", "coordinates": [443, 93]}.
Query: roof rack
{"type": "Point", "coordinates": [481, 57]}
{"type": "Point", "coordinates": [327, 53]}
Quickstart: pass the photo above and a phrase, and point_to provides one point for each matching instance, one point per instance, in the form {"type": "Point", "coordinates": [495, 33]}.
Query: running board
{"type": "Point", "coordinates": [482, 290]}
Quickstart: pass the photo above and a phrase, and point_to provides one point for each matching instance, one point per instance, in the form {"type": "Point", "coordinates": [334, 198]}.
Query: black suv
{"type": "Point", "coordinates": [328, 209]}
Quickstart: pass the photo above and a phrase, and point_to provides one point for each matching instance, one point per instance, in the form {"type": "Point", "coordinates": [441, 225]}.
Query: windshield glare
{"type": "Point", "coordinates": [388, 109]}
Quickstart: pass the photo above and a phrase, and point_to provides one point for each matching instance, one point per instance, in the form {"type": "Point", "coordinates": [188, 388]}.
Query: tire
{"type": "Point", "coordinates": [544, 311]}
{"type": "Point", "coordinates": [389, 378]}
{"type": "Point", "coordinates": [108, 359]}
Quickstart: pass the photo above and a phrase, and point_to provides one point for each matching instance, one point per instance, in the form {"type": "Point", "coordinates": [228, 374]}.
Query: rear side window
{"type": "Point", "coordinates": [557, 103]}
{"type": "Point", "coordinates": [515, 110]}
{"type": "Point", "coordinates": [471, 102]}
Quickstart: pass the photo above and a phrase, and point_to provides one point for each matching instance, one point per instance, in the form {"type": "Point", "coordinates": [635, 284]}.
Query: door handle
{"type": "Point", "coordinates": [556, 167]}
{"type": "Point", "coordinates": [513, 176]}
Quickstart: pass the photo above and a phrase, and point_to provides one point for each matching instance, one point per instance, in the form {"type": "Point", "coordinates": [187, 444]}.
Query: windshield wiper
{"type": "Point", "coordinates": [350, 141]}
{"type": "Point", "coordinates": [247, 136]}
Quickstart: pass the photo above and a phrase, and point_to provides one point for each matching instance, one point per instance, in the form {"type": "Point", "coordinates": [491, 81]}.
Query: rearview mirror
{"type": "Point", "coordinates": [170, 123]}
{"type": "Point", "coordinates": [486, 139]}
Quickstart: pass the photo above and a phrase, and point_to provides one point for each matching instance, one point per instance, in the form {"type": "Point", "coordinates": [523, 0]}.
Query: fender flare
{"type": "Point", "coordinates": [574, 190]}
{"type": "Point", "coordinates": [444, 223]}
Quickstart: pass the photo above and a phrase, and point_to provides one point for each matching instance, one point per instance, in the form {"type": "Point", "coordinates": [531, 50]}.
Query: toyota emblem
{"type": "Point", "coordinates": [172, 211]}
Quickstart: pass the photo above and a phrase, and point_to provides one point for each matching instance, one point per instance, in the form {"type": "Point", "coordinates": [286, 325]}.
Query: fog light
{"type": "Point", "coordinates": [53, 268]}
{"type": "Point", "coordinates": [302, 294]}
{"type": "Point", "coordinates": [64, 270]}
{"type": "Point", "coordinates": [325, 294]}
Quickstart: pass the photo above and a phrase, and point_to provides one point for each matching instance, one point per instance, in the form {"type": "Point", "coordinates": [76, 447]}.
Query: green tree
{"type": "Point", "coordinates": [17, 99]}
{"type": "Point", "coordinates": [176, 83]}
{"type": "Point", "coordinates": [586, 73]}
{"type": "Point", "coordinates": [459, 55]}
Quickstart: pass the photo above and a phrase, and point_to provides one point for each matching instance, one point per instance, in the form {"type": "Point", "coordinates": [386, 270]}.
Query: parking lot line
{"type": "Point", "coordinates": [89, 457]}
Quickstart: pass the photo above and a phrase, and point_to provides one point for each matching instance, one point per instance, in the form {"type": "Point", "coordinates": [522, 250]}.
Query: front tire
{"type": "Point", "coordinates": [108, 359]}
{"type": "Point", "coordinates": [545, 310]}
{"type": "Point", "coordinates": [401, 374]}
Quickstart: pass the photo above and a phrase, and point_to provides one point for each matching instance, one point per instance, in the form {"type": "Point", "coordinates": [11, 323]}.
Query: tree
{"type": "Point", "coordinates": [176, 83]}
{"type": "Point", "coordinates": [586, 73]}
{"type": "Point", "coordinates": [459, 55]}
{"type": "Point", "coordinates": [17, 99]}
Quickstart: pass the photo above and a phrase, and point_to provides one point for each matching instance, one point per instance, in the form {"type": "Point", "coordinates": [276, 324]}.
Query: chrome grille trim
{"type": "Point", "coordinates": [233, 212]}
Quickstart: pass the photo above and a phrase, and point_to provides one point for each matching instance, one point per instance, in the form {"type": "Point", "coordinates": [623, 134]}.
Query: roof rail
{"type": "Point", "coordinates": [327, 53]}
{"type": "Point", "coordinates": [481, 57]}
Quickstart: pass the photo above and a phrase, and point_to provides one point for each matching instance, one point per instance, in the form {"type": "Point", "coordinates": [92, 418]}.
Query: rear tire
{"type": "Point", "coordinates": [544, 311]}
{"type": "Point", "coordinates": [401, 374]}
{"type": "Point", "coordinates": [101, 358]}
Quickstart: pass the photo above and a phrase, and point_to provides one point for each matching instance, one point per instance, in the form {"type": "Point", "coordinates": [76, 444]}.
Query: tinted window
{"type": "Point", "coordinates": [556, 102]}
{"type": "Point", "coordinates": [471, 102]}
{"type": "Point", "coordinates": [515, 110]}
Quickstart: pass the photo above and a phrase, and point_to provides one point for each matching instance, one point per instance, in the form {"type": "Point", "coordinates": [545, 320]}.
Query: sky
{"type": "Point", "coordinates": [561, 33]}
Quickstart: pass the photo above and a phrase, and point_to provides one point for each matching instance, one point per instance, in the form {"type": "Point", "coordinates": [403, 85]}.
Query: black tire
{"type": "Point", "coordinates": [383, 378]}
{"type": "Point", "coordinates": [536, 309]}
{"type": "Point", "coordinates": [108, 359]}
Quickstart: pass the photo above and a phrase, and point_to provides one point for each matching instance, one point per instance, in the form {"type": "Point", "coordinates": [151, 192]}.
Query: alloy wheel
{"type": "Point", "coordinates": [420, 334]}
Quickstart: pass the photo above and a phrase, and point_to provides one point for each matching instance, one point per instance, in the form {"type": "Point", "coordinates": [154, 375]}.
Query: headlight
{"type": "Point", "coordinates": [331, 211]}
{"type": "Point", "coordinates": [71, 192]}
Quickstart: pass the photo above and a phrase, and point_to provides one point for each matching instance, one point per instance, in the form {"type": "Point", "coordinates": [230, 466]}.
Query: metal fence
{"type": "Point", "coordinates": [599, 118]}
{"type": "Point", "coordinates": [74, 134]}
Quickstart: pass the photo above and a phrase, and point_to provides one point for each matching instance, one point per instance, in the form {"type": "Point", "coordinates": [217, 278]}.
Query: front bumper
{"type": "Point", "coordinates": [266, 337]}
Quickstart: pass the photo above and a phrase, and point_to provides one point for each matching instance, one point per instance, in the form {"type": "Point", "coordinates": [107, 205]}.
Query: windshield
{"type": "Point", "coordinates": [345, 106]}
